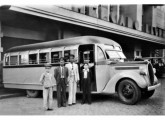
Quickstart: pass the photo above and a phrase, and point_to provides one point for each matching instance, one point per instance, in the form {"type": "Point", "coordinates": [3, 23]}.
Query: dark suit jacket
{"type": "Point", "coordinates": [89, 75]}
{"type": "Point", "coordinates": [57, 74]}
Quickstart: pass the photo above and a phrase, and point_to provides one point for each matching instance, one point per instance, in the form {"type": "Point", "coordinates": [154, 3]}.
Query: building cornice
{"type": "Point", "coordinates": [60, 14]}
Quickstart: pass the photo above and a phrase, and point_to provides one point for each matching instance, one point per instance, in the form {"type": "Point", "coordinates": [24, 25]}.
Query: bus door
{"type": "Point", "coordinates": [102, 69]}
{"type": "Point", "coordinates": [86, 54]}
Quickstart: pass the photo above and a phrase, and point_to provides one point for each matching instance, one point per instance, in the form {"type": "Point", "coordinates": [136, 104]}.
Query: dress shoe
{"type": "Point", "coordinates": [64, 105]}
{"type": "Point", "coordinates": [82, 103]}
{"type": "Point", "coordinates": [69, 105]}
{"type": "Point", "coordinates": [50, 109]}
{"type": "Point", "coordinates": [74, 104]}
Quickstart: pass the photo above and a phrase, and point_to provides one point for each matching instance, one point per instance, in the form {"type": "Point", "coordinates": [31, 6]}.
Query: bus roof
{"type": "Point", "coordinates": [64, 42]}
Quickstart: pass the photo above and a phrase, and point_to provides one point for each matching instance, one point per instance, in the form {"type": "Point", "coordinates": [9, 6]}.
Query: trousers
{"type": "Point", "coordinates": [86, 91]}
{"type": "Point", "coordinates": [48, 98]}
{"type": "Point", "coordinates": [72, 92]}
{"type": "Point", "coordinates": [61, 93]}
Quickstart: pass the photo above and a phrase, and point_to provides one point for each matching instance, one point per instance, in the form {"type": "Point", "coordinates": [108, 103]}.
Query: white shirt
{"type": "Point", "coordinates": [62, 74]}
{"type": "Point", "coordinates": [72, 70]}
{"type": "Point", "coordinates": [85, 72]}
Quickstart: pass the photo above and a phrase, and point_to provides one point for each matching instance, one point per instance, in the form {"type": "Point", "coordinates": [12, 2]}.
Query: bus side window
{"type": "Point", "coordinates": [67, 53]}
{"type": "Point", "coordinates": [33, 58]}
{"type": "Point", "coordinates": [23, 59]}
{"type": "Point", "coordinates": [14, 60]}
{"type": "Point", "coordinates": [43, 57]}
{"type": "Point", "coordinates": [55, 56]}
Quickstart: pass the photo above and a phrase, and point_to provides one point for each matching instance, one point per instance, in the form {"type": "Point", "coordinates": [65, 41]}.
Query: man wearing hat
{"type": "Point", "coordinates": [61, 76]}
{"type": "Point", "coordinates": [46, 81]}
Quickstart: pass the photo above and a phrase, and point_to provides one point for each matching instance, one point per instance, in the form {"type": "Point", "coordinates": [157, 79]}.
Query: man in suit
{"type": "Point", "coordinates": [61, 76]}
{"type": "Point", "coordinates": [73, 78]}
{"type": "Point", "coordinates": [86, 84]}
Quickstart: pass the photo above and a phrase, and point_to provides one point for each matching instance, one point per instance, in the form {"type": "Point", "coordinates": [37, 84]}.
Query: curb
{"type": "Point", "coordinates": [11, 95]}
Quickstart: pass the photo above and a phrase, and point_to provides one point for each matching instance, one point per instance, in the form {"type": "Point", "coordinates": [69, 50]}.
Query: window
{"type": "Point", "coordinates": [33, 58]}
{"type": "Point", "coordinates": [23, 58]}
{"type": "Point", "coordinates": [117, 48]}
{"type": "Point", "coordinates": [113, 54]}
{"type": "Point", "coordinates": [67, 53]}
{"type": "Point", "coordinates": [44, 58]}
{"type": "Point", "coordinates": [100, 54]}
{"type": "Point", "coordinates": [14, 60]}
{"type": "Point", "coordinates": [55, 56]}
{"type": "Point", "coordinates": [121, 55]}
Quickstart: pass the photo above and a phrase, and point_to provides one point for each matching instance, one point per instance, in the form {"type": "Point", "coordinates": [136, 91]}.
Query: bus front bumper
{"type": "Point", "coordinates": [153, 87]}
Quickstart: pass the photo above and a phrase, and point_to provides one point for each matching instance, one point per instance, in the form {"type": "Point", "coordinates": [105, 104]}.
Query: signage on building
{"type": "Point", "coordinates": [128, 22]}
{"type": "Point", "coordinates": [124, 21]}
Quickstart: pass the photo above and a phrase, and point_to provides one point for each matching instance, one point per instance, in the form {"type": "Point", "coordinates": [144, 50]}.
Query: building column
{"type": "Point", "coordinates": [118, 12]}
{"type": "Point", "coordinates": [1, 35]}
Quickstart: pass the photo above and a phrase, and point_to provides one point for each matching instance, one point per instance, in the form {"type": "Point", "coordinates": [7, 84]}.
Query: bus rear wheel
{"type": "Point", "coordinates": [32, 93]}
{"type": "Point", "coordinates": [128, 92]}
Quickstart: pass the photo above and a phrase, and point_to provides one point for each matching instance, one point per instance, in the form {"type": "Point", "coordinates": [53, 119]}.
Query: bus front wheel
{"type": "Point", "coordinates": [32, 93]}
{"type": "Point", "coordinates": [129, 92]}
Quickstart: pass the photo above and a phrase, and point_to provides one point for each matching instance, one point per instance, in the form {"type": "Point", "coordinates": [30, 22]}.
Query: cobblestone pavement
{"type": "Point", "coordinates": [101, 105]}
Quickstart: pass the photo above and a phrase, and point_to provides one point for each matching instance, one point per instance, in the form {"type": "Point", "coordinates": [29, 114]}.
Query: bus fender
{"type": "Point", "coordinates": [110, 87]}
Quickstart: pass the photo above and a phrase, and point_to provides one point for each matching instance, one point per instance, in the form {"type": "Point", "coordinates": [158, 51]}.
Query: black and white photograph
{"type": "Point", "coordinates": [82, 59]}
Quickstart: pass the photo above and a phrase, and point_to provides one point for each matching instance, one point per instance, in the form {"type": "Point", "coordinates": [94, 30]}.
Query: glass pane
{"type": "Point", "coordinates": [121, 55]}
{"type": "Point", "coordinates": [100, 54]}
{"type": "Point", "coordinates": [13, 60]}
{"type": "Point", "coordinates": [33, 59]}
{"type": "Point", "coordinates": [55, 56]}
{"type": "Point", "coordinates": [113, 54]}
{"type": "Point", "coordinates": [44, 57]}
{"type": "Point", "coordinates": [23, 59]}
{"type": "Point", "coordinates": [67, 53]}
{"type": "Point", "coordinates": [117, 48]}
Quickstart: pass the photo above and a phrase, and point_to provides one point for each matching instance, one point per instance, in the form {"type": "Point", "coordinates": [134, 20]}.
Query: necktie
{"type": "Point", "coordinates": [62, 72]}
{"type": "Point", "coordinates": [72, 66]}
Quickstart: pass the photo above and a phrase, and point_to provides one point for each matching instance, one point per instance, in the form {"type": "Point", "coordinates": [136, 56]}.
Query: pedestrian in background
{"type": "Point", "coordinates": [61, 76]}
{"type": "Point", "coordinates": [73, 79]}
{"type": "Point", "coordinates": [46, 81]}
{"type": "Point", "coordinates": [86, 84]}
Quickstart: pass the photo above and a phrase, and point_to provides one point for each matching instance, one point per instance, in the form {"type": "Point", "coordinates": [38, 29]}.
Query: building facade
{"type": "Point", "coordinates": [139, 29]}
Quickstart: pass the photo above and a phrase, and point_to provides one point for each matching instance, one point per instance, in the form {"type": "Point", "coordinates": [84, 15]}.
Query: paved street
{"type": "Point", "coordinates": [102, 105]}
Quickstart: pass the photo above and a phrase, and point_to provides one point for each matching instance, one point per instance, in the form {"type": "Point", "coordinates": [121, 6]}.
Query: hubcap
{"type": "Point", "coordinates": [128, 91]}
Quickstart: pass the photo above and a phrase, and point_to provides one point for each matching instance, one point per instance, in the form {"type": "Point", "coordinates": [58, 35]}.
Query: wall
{"type": "Point", "coordinates": [70, 33]}
{"type": "Point", "coordinates": [132, 11]}
{"type": "Point", "coordinates": [147, 15]}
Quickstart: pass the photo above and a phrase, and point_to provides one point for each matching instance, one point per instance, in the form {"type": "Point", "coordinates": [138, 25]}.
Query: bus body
{"type": "Point", "coordinates": [23, 66]}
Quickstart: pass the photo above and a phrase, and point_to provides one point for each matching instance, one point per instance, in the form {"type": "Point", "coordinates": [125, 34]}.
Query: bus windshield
{"type": "Point", "coordinates": [115, 54]}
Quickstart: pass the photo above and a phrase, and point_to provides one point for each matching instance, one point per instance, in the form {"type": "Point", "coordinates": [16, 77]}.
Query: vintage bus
{"type": "Point", "coordinates": [23, 65]}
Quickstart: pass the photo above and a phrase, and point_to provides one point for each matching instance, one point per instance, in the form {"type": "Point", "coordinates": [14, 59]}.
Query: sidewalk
{"type": "Point", "coordinates": [7, 93]}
